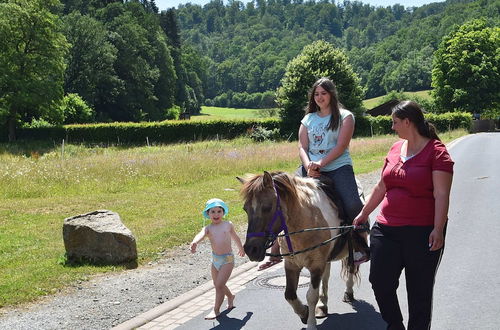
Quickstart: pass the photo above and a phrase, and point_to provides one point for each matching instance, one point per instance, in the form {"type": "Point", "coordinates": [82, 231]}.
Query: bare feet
{"type": "Point", "coordinates": [230, 301]}
{"type": "Point", "coordinates": [212, 315]}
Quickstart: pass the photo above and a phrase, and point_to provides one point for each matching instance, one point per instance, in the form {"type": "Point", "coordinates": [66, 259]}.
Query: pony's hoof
{"type": "Point", "coordinates": [321, 312]}
{"type": "Point", "coordinates": [304, 318]}
{"type": "Point", "coordinates": [348, 297]}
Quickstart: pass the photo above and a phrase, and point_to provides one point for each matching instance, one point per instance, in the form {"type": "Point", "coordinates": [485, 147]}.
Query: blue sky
{"type": "Point", "coordinates": [165, 4]}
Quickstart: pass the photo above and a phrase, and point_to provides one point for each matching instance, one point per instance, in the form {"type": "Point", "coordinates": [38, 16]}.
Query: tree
{"type": "Point", "coordinates": [466, 69]}
{"type": "Point", "coordinates": [32, 59]}
{"type": "Point", "coordinates": [170, 26]}
{"type": "Point", "coordinates": [319, 59]}
{"type": "Point", "coordinates": [90, 72]}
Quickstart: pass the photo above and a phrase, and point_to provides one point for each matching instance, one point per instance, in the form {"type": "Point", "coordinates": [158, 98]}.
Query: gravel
{"type": "Point", "coordinates": [111, 299]}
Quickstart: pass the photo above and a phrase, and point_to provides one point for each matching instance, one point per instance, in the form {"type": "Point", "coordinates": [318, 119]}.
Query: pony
{"type": "Point", "coordinates": [302, 204]}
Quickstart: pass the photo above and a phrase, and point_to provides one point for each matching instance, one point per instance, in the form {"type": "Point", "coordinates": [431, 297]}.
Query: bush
{"type": "Point", "coordinates": [155, 132]}
{"type": "Point", "coordinates": [75, 110]}
{"type": "Point", "coordinates": [173, 112]}
{"type": "Point", "coordinates": [244, 100]}
{"type": "Point", "coordinates": [260, 134]}
{"type": "Point", "coordinates": [443, 122]}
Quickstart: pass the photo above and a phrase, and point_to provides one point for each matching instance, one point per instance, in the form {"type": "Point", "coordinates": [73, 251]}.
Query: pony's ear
{"type": "Point", "coordinates": [241, 179]}
{"type": "Point", "coordinates": [267, 179]}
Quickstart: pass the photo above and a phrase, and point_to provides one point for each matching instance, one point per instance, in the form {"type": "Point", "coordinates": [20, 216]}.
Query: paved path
{"type": "Point", "coordinates": [467, 286]}
{"type": "Point", "coordinates": [260, 304]}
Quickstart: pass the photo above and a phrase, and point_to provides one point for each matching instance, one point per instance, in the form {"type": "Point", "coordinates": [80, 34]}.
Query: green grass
{"type": "Point", "coordinates": [371, 103]}
{"type": "Point", "coordinates": [215, 113]}
{"type": "Point", "coordinates": [158, 192]}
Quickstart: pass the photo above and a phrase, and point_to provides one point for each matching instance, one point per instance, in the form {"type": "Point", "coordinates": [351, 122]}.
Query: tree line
{"type": "Point", "coordinates": [100, 60]}
{"type": "Point", "coordinates": [391, 48]}
{"type": "Point", "coordinates": [75, 61]}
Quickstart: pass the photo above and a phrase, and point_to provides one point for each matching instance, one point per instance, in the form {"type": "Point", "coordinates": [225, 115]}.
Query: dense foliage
{"type": "Point", "coordinates": [127, 61]}
{"type": "Point", "coordinates": [466, 75]}
{"type": "Point", "coordinates": [31, 60]}
{"type": "Point", "coordinates": [248, 45]}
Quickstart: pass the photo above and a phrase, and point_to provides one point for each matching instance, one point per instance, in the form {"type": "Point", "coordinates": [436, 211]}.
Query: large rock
{"type": "Point", "coordinates": [99, 237]}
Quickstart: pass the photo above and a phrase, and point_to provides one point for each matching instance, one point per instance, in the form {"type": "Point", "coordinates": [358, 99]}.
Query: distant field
{"type": "Point", "coordinates": [371, 103]}
{"type": "Point", "coordinates": [214, 113]}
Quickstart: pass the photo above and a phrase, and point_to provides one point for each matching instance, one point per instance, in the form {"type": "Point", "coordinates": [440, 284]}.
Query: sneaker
{"type": "Point", "coordinates": [360, 257]}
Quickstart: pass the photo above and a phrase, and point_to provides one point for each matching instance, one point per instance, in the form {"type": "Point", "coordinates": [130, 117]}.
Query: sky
{"type": "Point", "coordinates": [165, 4]}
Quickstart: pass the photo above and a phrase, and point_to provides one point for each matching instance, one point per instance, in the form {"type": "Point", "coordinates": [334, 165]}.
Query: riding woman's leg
{"type": "Point", "coordinates": [347, 190]}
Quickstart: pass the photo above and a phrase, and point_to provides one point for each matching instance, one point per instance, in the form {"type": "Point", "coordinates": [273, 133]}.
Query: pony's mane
{"type": "Point", "coordinates": [290, 187]}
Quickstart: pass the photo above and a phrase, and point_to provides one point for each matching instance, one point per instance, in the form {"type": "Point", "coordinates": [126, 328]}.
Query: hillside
{"type": "Point", "coordinates": [246, 47]}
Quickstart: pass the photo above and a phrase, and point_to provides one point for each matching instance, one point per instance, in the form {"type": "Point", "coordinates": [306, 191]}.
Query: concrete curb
{"type": "Point", "coordinates": [166, 307]}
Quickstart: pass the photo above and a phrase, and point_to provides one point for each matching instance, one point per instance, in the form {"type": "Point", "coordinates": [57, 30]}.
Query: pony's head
{"type": "Point", "coordinates": [260, 194]}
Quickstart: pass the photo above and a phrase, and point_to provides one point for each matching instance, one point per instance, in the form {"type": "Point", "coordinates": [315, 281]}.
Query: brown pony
{"type": "Point", "coordinates": [276, 202]}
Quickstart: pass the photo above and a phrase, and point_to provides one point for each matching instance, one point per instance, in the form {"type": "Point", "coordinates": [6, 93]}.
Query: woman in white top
{"type": "Point", "coordinates": [324, 136]}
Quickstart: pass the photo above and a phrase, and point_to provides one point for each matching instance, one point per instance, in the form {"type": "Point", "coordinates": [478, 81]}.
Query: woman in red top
{"type": "Point", "coordinates": [409, 232]}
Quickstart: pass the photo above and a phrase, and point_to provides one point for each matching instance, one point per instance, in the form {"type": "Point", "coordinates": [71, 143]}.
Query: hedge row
{"type": "Point", "coordinates": [366, 126]}
{"type": "Point", "coordinates": [183, 131]}
{"type": "Point", "coordinates": [140, 133]}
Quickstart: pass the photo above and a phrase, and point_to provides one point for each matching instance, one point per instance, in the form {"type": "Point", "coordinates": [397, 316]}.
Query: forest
{"type": "Point", "coordinates": [248, 47]}
{"type": "Point", "coordinates": [76, 61]}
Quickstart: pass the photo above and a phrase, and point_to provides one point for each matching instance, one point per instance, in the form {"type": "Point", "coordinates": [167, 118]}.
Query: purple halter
{"type": "Point", "coordinates": [271, 236]}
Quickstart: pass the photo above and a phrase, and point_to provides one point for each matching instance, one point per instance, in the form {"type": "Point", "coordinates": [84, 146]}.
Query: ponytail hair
{"type": "Point", "coordinates": [413, 112]}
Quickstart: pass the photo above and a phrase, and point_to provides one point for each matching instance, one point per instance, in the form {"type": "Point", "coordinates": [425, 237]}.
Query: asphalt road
{"type": "Point", "coordinates": [467, 288]}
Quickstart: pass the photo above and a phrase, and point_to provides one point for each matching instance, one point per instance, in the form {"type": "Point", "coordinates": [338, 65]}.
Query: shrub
{"type": "Point", "coordinates": [260, 134]}
{"type": "Point", "coordinates": [75, 110]}
{"type": "Point", "coordinates": [173, 112]}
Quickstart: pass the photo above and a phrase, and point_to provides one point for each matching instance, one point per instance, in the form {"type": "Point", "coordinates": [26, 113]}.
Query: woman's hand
{"type": "Point", "coordinates": [436, 239]}
{"type": "Point", "coordinates": [313, 173]}
{"type": "Point", "coordinates": [313, 170]}
{"type": "Point", "coordinates": [359, 220]}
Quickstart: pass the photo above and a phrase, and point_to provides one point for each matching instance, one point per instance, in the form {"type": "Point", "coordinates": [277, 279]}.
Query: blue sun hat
{"type": "Point", "coordinates": [214, 202]}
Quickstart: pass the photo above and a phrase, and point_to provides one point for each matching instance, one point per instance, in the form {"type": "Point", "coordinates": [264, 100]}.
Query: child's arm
{"type": "Point", "coordinates": [197, 239]}
{"type": "Point", "coordinates": [237, 240]}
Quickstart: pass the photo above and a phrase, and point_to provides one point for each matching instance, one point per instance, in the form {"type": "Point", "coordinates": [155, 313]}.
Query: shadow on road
{"type": "Point", "coordinates": [226, 322]}
{"type": "Point", "coordinates": [365, 318]}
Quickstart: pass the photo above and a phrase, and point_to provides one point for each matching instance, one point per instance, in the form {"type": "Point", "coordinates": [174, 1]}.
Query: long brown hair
{"type": "Point", "coordinates": [335, 105]}
{"type": "Point", "coordinates": [415, 114]}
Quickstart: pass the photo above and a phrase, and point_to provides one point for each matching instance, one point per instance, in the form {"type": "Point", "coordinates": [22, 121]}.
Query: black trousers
{"type": "Point", "coordinates": [392, 250]}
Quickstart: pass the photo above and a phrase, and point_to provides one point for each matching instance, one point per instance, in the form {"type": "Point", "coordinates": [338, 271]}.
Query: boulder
{"type": "Point", "coordinates": [98, 237]}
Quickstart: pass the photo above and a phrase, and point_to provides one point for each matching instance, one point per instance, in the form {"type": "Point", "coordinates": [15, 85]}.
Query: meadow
{"type": "Point", "coordinates": [371, 103]}
{"type": "Point", "coordinates": [158, 191]}
{"type": "Point", "coordinates": [215, 113]}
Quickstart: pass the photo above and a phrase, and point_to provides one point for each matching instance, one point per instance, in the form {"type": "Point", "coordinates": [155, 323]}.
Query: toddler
{"type": "Point", "coordinates": [220, 234]}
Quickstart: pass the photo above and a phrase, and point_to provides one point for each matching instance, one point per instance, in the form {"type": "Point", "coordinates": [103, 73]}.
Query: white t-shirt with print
{"type": "Point", "coordinates": [323, 140]}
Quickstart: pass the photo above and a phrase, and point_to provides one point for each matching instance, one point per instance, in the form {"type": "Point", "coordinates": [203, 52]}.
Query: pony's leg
{"type": "Point", "coordinates": [313, 296]}
{"type": "Point", "coordinates": [322, 307]}
{"type": "Point", "coordinates": [292, 273]}
{"type": "Point", "coordinates": [349, 284]}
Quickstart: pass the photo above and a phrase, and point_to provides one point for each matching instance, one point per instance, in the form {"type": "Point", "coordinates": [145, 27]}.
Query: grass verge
{"type": "Point", "coordinates": [158, 191]}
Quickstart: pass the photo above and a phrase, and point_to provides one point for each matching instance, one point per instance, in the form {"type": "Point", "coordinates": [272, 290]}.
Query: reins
{"type": "Point", "coordinates": [271, 236]}
{"type": "Point", "coordinates": [312, 247]}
